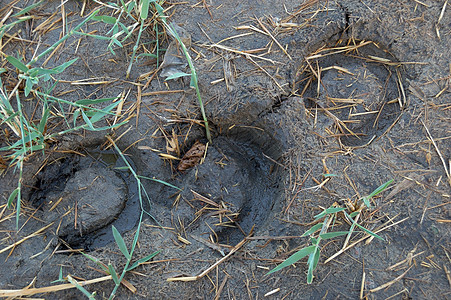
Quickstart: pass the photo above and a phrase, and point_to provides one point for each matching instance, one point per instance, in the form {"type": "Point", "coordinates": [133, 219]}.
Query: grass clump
{"type": "Point", "coordinates": [326, 218]}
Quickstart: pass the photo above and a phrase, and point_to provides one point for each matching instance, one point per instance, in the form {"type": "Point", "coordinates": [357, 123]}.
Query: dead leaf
{"type": "Point", "coordinates": [192, 157]}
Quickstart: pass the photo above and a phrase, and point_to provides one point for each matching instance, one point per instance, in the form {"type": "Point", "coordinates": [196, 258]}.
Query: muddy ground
{"type": "Point", "coordinates": [275, 135]}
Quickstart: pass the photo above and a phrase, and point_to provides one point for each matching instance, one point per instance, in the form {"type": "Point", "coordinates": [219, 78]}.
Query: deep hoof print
{"type": "Point", "coordinates": [83, 196]}
{"type": "Point", "coordinates": [354, 92]}
{"type": "Point", "coordinates": [232, 190]}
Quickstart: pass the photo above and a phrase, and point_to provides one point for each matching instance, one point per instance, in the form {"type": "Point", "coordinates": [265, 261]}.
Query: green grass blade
{"type": "Point", "coordinates": [87, 121]}
{"type": "Point", "coordinates": [106, 19]}
{"type": "Point", "coordinates": [80, 288]}
{"type": "Point", "coordinates": [363, 228]}
{"type": "Point", "coordinates": [142, 260]}
{"type": "Point", "coordinates": [144, 11]}
{"type": "Point", "coordinates": [161, 181]}
{"type": "Point", "coordinates": [96, 261]}
{"type": "Point", "coordinates": [177, 75]}
{"type": "Point", "coordinates": [331, 235]}
{"type": "Point", "coordinates": [12, 196]}
{"type": "Point", "coordinates": [294, 258]}
{"type": "Point", "coordinates": [94, 101]}
{"type": "Point", "coordinates": [380, 189]}
{"type": "Point", "coordinates": [113, 274]}
{"type": "Point", "coordinates": [17, 63]}
{"type": "Point", "coordinates": [26, 9]}
{"type": "Point", "coordinates": [120, 242]}
{"type": "Point", "coordinates": [312, 263]}
{"type": "Point", "coordinates": [313, 229]}
{"type": "Point", "coordinates": [331, 210]}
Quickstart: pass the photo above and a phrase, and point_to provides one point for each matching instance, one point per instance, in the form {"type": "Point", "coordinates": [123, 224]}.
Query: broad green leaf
{"type": "Point", "coordinates": [17, 63]}
{"type": "Point", "coordinates": [294, 258]}
{"type": "Point", "coordinates": [353, 214]}
{"type": "Point", "coordinates": [130, 6]}
{"type": "Point", "coordinates": [312, 263]}
{"type": "Point", "coordinates": [380, 189]}
{"type": "Point", "coordinates": [142, 260]}
{"type": "Point", "coordinates": [177, 75]}
{"type": "Point", "coordinates": [75, 116]}
{"type": "Point", "coordinates": [331, 235]}
{"type": "Point", "coordinates": [331, 210]}
{"type": "Point", "coordinates": [107, 110]}
{"type": "Point", "coordinates": [63, 66]}
{"type": "Point", "coordinates": [366, 201]}
{"type": "Point", "coordinates": [313, 229]}
{"type": "Point", "coordinates": [87, 121]}
{"type": "Point", "coordinates": [80, 288]}
{"type": "Point", "coordinates": [120, 243]}
{"type": "Point", "coordinates": [113, 273]}
{"type": "Point", "coordinates": [106, 19]}
{"type": "Point", "coordinates": [44, 118]}
{"type": "Point", "coordinates": [26, 9]}
{"type": "Point", "coordinates": [93, 101]}
{"type": "Point", "coordinates": [12, 196]}
{"type": "Point", "coordinates": [363, 228]}
{"type": "Point", "coordinates": [144, 9]}
{"type": "Point", "coordinates": [146, 55]}
{"type": "Point", "coordinates": [117, 43]}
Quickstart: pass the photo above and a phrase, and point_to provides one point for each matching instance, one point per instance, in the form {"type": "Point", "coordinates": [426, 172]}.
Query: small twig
{"type": "Point", "coordinates": [194, 278]}
{"type": "Point", "coordinates": [362, 239]}
{"type": "Point", "coordinates": [439, 153]}
{"type": "Point", "coordinates": [387, 284]}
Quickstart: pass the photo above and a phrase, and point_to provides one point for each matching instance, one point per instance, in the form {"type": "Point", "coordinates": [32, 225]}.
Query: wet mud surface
{"type": "Point", "coordinates": [280, 121]}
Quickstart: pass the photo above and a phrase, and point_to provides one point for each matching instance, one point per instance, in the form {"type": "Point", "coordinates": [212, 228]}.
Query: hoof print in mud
{"type": "Point", "coordinates": [355, 92]}
{"type": "Point", "coordinates": [83, 197]}
{"type": "Point", "coordinates": [233, 189]}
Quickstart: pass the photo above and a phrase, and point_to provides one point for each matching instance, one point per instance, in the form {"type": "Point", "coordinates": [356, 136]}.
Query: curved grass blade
{"type": "Point", "coordinates": [160, 181]}
{"type": "Point", "coordinates": [142, 260]}
{"type": "Point", "coordinates": [331, 235]}
{"type": "Point", "coordinates": [313, 229]}
{"type": "Point", "coordinates": [312, 262]}
{"type": "Point", "coordinates": [120, 242]}
{"type": "Point", "coordinates": [330, 210]}
{"type": "Point", "coordinates": [294, 258]}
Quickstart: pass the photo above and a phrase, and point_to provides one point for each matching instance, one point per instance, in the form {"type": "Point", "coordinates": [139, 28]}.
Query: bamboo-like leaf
{"type": "Point", "coordinates": [27, 9]}
{"type": "Point", "coordinates": [17, 63]}
{"type": "Point", "coordinates": [331, 235]}
{"type": "Point", "coordinates": [80, 288]}
{"type": "Point", "coordinates": [312, 262]}
{"type": "Point", "coordinates": [12, 196]}
{"type": "Point", "coordinates": [330, 210]}
{"type": "Point", "coordinates": [106, 19]}
{"type": "Point", "coordinates": [144, 9]}
{"type": "Point", "coordinates": [177, 75]}
{"type": "Point", "coordinates": [87, 121]}
{"type": "Point", "coordinates": [64, 66]}
{"type": "Point", "coordinates": [161, 181]}
{"type": "Point", "coordinates": [313, 229]}
{"type": "Point", "coordinates": [363, 228]}
{"type": "Point", "coordinates": [142, 260]}
{"type": "Point", "coordinates": [120, 242]}
{"type": "Point", "coordinates": [96, 261]}
{"type": "Point", "coordinates": [294, 258]}
{"type": "Point", "coordinates": [113, 273]}
{"type": "Point", "coordinates": [93, 101]}
{"type": "Point", "coordinates": [380, 189]}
